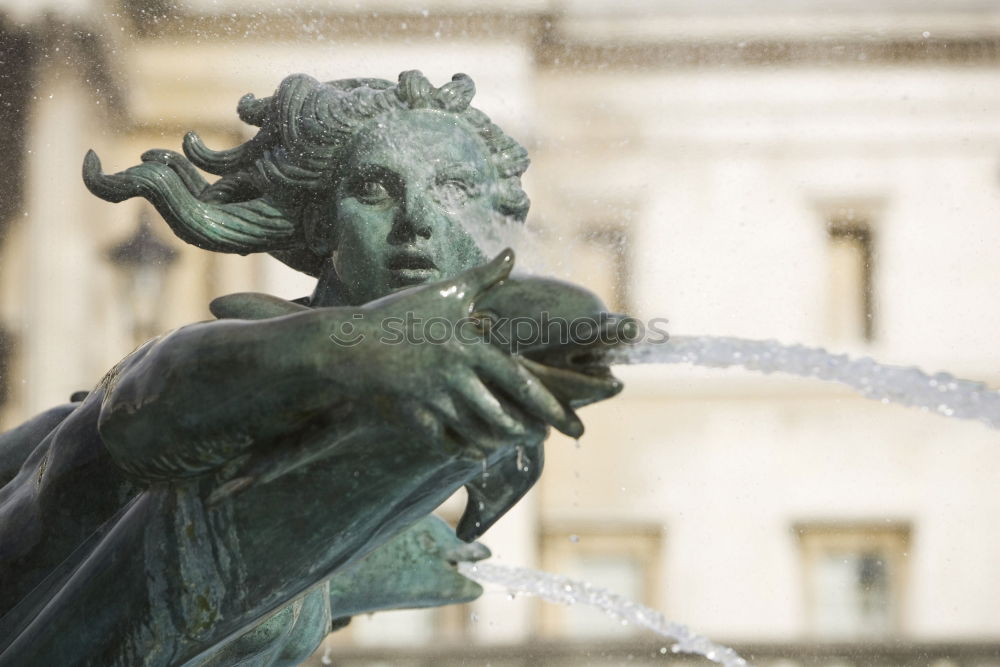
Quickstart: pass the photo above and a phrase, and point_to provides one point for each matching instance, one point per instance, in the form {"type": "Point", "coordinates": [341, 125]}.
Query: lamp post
{"type": "Point", "coordinates": [143, 261]}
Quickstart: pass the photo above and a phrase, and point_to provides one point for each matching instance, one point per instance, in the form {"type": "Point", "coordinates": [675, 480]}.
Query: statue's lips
{"type": "Point", "coordinates": [411, 267]}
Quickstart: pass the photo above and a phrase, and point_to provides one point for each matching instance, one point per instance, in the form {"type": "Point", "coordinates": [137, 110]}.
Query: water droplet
{"type": "Point", "coordinates": [473, 617]}
{"type": "Point", "coordinates": [574, 539]}
{"type": "Point", "coordinates": [663, 650]}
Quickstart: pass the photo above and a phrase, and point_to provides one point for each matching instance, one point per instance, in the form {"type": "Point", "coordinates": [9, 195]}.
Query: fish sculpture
{"type": "Point", "coordinates": [560, 332]}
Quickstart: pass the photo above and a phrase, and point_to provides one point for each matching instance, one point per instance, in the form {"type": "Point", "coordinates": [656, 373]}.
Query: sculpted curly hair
{"type": "Point", "coordinates": [271, 187]}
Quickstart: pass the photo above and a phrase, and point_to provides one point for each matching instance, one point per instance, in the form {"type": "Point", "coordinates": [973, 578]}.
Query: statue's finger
{"type": "Point", "coordinates": [445, 407]}
{"type": "Point", "coordinates": [527, 391]}
{"type": "Point", "coordinates": [423, 422]}
{"type": "Point", "coordinates": [483, 405]}
{"type": "Point", "coordinates": [459, 429]}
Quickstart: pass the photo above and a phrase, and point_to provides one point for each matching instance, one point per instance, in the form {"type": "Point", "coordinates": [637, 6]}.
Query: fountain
{"type": "Point", "coordinates": [232, 488]}
{"type": "Point", "coordinates": [183, 470]}
{"type": "Point", "coordinates": [561, 590]}
{"type": "Point", "coordinates": [941, 393]}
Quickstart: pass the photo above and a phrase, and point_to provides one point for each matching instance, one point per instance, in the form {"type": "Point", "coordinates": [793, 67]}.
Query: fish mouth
{"type": "Point", "coordinates": [410, 267]}
{"type": "Point", "coordinates": [468, 553]}
{"type": "Point", "coordinates": [585, 351]}
{"type": "Point", "coordinates": [578, 385]}
{"type": "Point", "coordinates": [590, 361]}
{"type": "Point", "coordinates": [579, 372]}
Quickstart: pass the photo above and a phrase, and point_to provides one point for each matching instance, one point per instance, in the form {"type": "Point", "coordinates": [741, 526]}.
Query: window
{"type": "Point", "coordinates": [854, 579]}
{"type": "Point", "coordinates": [851, 270]}
{"type": "Point", "coordinates": [624, 560]}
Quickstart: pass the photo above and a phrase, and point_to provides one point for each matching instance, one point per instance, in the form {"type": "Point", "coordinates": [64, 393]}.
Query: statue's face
{"type": "Point", "coordinates": [418, 190]}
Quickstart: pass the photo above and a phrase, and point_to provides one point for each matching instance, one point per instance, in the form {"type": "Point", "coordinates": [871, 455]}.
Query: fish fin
{"type": "Point", "coordinates": [252, 306]}
{"type": "Point", "coordinates": [500, 488]}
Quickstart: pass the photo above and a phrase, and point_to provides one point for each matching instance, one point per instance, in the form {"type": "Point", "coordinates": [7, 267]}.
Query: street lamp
{"type": "Point", "coordinates": [143, 261]}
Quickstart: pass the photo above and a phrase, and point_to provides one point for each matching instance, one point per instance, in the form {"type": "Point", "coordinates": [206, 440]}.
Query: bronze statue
{"type": "Point", "coordinates": [226, 476]}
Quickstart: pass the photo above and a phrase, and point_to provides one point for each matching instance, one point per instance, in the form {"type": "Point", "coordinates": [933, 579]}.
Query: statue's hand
{"type": "Point", "coordinates": [449, 383]}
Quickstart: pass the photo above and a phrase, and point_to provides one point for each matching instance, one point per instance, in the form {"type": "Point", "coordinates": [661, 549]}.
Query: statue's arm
{"type": "Point", "coordinates": [208, 392]}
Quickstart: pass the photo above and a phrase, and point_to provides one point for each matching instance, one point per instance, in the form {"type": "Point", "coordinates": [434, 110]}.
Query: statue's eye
{"type": "Point", "coordinates": [371, 192]}
{"type": "Point", "coordinates": [453, 193]}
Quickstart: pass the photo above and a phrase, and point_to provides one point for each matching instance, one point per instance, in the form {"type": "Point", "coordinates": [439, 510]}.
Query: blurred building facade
{"type": "Point", "coordinates": [823, 173]}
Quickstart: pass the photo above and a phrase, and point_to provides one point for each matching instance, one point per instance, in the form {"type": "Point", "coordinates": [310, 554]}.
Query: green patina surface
{"type": "Point", "coordinates": [232, 489]}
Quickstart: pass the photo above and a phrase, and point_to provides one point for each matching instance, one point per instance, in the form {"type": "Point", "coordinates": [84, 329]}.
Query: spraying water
{"type": "Point", "coordinates": [941, 393]}
{"type": "Point", "coordinates": [559, 589]}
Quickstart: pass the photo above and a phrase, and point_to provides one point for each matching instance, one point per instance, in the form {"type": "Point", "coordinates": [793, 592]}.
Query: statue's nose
{"type": "Point", "coordinates": [414, 218]}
